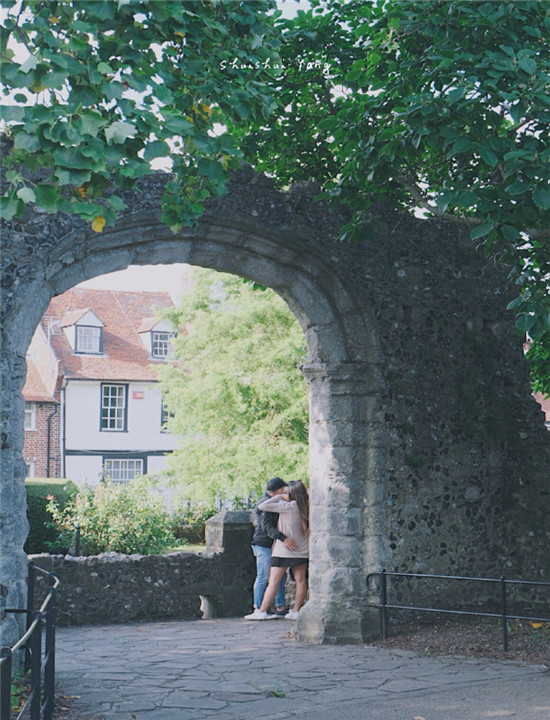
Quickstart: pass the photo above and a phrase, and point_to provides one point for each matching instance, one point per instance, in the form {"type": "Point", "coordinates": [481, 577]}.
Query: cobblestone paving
{"type": "Point", "coordinates": [237, 670]}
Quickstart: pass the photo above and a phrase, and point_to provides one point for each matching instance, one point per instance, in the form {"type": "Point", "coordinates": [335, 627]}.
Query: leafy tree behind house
{"type": "Point", "coordinates": [237, 396]}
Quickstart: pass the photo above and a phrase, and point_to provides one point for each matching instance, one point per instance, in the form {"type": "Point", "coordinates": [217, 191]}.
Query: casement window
{"type": "Point", "coordinates": [30, 416]}
{"type": "Point", "coordinates": [165, 416]}
{"type": "Point", "coordinates": [114, 407]}
{"type": "Point", "coordinates": [122, 470]}
{"type": "Point", "coordinates": [161, 344]}
{"type": "Point", "coordinates": [89, 339]}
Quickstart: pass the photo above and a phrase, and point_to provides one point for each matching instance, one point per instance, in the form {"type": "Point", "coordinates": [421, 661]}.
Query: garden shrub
{"type": "Point", "coordinates": [190, 522]}
{"type": "Point", "coordinates": [41, 533]}
{"type": "Point", "coordinates": [115, 518]}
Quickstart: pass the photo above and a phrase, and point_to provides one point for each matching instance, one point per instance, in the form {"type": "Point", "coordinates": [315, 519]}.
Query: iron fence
{"type": "Point", "coordinates": [39, 656]}
{"type": "Point", "coordinates": [502, 583]}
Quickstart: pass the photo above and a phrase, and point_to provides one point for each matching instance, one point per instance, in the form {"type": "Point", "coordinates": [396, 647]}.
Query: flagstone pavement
{"type": "Point", "coordinates": [237, 670]}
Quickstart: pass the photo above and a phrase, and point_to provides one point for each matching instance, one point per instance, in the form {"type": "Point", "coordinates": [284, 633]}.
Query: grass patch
{"type": "Point", "coordinates": [185, 547]}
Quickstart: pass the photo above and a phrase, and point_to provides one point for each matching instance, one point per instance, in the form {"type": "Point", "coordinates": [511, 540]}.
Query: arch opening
{"type": "Point", "coordinates": [339, 347]}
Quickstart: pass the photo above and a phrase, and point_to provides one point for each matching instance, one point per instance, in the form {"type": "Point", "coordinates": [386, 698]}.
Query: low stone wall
{"type": "Point", "coordinates": [115, 588]}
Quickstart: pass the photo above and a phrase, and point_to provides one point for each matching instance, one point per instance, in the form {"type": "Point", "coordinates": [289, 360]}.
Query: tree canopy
{"type": "Point", "coordinates": [236, 397]}
{"type": "Point", "coordinates": [442, 106]}
{"type": "Point", "coordinates": [98, 90]}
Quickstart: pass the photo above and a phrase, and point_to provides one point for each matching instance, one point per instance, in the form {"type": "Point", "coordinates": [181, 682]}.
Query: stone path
{"type": "Point", "coordinates": [238, 670]}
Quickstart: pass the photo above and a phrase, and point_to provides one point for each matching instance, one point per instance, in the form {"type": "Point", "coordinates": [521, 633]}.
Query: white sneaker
{"type": "Point", "coordinates": [292, 615]}
{"type": "Point", "coordinates": [259, 615]}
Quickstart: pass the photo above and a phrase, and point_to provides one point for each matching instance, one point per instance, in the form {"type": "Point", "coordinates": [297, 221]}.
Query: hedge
{"type": "Point", "coordinates": [38, 490]}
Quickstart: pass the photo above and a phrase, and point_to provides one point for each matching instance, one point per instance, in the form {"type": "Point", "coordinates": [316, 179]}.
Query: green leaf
{"type": "Point", "coordinates": [119, 132]}
{"type": "Point", "coordinates": [481, 230]}
{"type": "Point", "coordinates": [12, 113]}
{"type": "Point", "coordinates": [541, 198]}
{"type": "Point", "coordinates": [54, 80]}
{"type": "Point", "coordinates": [26, 194]}
{"type": "Point", "coordinates": [461, 145]}
{"type": "Point", "coordinates": [24, 141]}
{"type": "Point", "coordinates": [528, 65]}
{"type": "Point", "coordinates": [72, 158]}
{"type": "Point", "coordinates": [30, 64]}
{"type": "Point", "coordinates": [156, 149]}
{"type": "Point", "coordinates": [488, 156]}
{"type": "Point", "coordinates": [117, 203]}
{"type": "Point", "coordinates": [518, 188]}
{"type": "Point", "coordinates": [68, 176]}
{"type": "Point", "coordinates": [104, 68]}
{"type": "Point", "coordinates": [511, 233]}
{"type": "Point", "coordinates": [525, 322]}
{"type": "Point", "coordinates": [9, 207]}
{"type": "Point", "coordinates": [83, 95]}
{"type": "Point", "coordinates": [455, 95]}
{"type": "Point", "coordinates": [516, 302]}
{"type": "Point", "coordinates": [90, 122]}
{"type": "Point", "coordinates": [47, 196]}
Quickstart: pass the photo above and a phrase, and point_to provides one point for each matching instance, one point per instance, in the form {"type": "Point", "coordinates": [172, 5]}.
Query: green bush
{"type": "Point", "coordinates": [189, 523]}
{"type": "Point", "coordinates": [41, 534]}
{"type": "Point", "coordinates": [115, 518]}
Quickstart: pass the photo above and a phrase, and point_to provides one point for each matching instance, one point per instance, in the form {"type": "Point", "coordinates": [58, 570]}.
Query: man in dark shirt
{"type": "Point", "coordinates": [265, 534]}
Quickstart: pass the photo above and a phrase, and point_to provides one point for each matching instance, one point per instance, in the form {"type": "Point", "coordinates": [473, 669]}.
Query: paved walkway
{"type": "Point", "coordinates": [238, 670]}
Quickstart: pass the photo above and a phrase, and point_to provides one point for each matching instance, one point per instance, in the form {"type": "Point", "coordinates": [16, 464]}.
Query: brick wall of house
{"type": "Point", "coordinates": [35, 449]}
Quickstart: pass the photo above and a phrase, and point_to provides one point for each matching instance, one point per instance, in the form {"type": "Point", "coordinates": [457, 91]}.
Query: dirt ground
{"type": "Point", "coordinates": [469, 637]}
{"type": "Point", "coordinates": [473, 637]}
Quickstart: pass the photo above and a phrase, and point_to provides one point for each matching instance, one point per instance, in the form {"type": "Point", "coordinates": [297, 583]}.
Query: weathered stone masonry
{"type": "Point", "coordinates": [115, 588]}
{"type": "Point", "coordinates": [427, 452]}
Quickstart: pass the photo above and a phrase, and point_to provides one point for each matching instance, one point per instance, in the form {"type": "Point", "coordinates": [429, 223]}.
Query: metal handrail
{"type": "Point", "coordinates": [384, 606]}
{"type": "Point", "coordinates": [32, 641]}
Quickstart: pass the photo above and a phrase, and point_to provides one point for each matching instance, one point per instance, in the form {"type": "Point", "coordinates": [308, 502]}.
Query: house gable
{"type": "Point", "coordinates": [118, 317]}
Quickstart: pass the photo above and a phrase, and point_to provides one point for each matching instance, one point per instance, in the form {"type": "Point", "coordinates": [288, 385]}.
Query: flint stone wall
{"type": "Point", "coordinates": [116, 588]}
{"type": "Point", "coordinates": [427, 451]}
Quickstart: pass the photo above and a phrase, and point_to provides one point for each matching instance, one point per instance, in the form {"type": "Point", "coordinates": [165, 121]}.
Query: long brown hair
{"type": "Point", "coordinates": [298, 491]}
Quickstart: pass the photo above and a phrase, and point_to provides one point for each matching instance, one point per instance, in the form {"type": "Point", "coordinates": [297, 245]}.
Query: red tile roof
{"type": "Point", "coordinates": [35, 390]}
{"type": "Point", "coordinates": [124, 355]}
{"type": "Point", "coordinates": [544, 403]}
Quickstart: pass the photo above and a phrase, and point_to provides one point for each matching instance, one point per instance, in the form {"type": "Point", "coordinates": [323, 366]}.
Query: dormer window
{"type": "Point", "coordinates": [89, 340]}
{"type": "Point", "coordinates": [161, 344]}
{"type": "Point", "coordinates": [157, 336]}
{"type": "Point", "coordinates": [84, 331]}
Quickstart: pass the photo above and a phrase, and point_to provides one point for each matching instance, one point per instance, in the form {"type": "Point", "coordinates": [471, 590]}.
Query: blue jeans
{"type": "Point", "coordinates": [263, 566]}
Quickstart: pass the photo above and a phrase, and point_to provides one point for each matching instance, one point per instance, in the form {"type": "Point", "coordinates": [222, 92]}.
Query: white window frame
{"type": "Point", "coordinates": [121, 471]}
{"type": "Point", "coordinates": [114, 415]}
{"type": "Point", "coordinates": [30, 416]}
{"type": "Point", "coordinates": [88, 339]}
{"type": "Point", "coordinates": [161, 343]}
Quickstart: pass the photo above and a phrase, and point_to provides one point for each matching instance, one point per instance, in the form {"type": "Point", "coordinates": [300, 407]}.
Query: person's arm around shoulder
{"type": "Point", "coordinates": [277, 504]}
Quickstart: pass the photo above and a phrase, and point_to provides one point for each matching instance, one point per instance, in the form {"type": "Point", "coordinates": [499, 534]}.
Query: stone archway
{"type": "Point", "coordinates": [382, 407]}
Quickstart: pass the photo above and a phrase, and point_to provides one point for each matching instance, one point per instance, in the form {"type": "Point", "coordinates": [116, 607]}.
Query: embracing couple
{"type": "Point", "coordinates": [281, 541]}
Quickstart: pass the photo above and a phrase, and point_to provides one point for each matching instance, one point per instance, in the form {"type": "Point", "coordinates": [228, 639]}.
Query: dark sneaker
{"type": "Point", "coordinates": [281, 613]}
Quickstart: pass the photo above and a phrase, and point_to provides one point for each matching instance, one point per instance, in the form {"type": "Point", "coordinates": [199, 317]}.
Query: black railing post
{"type": "Point", "coordinates": [5, 683]}
{"type": "Point", "coordinates": [504, 614]}
{"type": "Point", "coordinates": [36, 667]}
{"type": "Point", "coordinates": [77, 540]}
{"type": "Point", "coordinates": [384, 603]}
{"type": "Point", "coordinates": [49, 652]}
{"type": "Point", "coordinates": [30, 613]}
